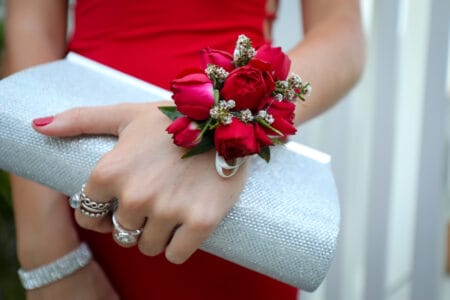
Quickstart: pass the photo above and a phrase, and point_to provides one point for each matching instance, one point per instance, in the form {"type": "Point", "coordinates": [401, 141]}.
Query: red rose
{"type": "Point", "coordinates": [185, 132]}
{"type": "Point", "coordinates": [235, 140]}
{"type": "Point", "coordinates": [261, 136]}
{"type": "Point", "coordinates": [283, 114]}
{"type": "Point", "coordinates": [247, 86]}
{"type": "Point", "coordinates": [216, 57]}
{"type": "Point", "coordinates": [279, 62]}
{"type": "Point", "coordinates": [193, 95]}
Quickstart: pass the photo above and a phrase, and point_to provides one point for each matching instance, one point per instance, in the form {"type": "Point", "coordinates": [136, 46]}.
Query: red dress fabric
{"type": "Point", "coordinates": [154, 41]}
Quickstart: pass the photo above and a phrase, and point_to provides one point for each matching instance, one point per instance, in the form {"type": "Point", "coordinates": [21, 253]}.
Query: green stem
{"type": "Point", "coordinates": [204, 129]}
{"type": "Point", "coordinates": [265, 124]}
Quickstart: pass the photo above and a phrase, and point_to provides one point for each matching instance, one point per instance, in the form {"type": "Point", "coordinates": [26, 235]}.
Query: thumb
{"type": "Point", "coordinates": [85, 120]}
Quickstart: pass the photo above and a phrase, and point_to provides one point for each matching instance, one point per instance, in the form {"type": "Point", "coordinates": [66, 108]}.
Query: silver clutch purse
{"type": "Point", "coordinates": [285, 224]}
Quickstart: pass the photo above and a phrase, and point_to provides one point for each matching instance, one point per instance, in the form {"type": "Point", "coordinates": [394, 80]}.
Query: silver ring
{"type": "Point", "coordinates": [89, 207]}
{"type": "Point", "coordinates": [124, 237]}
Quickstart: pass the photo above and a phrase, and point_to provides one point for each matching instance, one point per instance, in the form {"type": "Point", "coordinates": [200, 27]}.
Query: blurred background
{"type": "Point", "coordinates": [389, 139]}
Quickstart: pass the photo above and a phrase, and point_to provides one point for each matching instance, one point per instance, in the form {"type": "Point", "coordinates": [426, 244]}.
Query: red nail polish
{"type": "Point", "coordinates": [40, 122]}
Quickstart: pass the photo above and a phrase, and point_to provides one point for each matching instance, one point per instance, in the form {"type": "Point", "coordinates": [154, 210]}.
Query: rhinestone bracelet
{"type": "Point", "coordinates": [56, 270]}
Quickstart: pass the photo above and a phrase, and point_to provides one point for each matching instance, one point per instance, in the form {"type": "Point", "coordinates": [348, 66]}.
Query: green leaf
{"type": "Point", "coordinates": [170, 111]}
{"type": "Point", "coordinates": [265, 153]}
{"type": "Point", "coordinates": [278, 141]}
{"type": "Point", "coordinates": [265, 124]}
{"type": "Point", "coordinates": [206, 144]}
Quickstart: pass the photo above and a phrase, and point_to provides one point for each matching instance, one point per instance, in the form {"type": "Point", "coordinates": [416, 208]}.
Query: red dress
{"type": "Point", "coordinates": [155, 40]}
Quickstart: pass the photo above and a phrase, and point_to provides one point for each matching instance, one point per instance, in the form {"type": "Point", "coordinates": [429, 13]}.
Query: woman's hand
{"type": "Point", "coordinates": [178, 202]}
{"type": "Point", "coordinates": [88, 283]}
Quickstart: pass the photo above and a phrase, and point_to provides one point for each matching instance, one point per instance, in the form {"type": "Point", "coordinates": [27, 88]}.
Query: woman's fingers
{"type": "Point", "coordinates": [133, 207]}
{"type": "Point", "coordinates": [102, 187]}
{"type": "Point", "coordinates": [156, 235]}
{"type": "Point", "coordinates": [211, 201]}
{"type": "Point", "coordinates": [86, 120]}
{"type": "Point", "coordinates": [188, 238]}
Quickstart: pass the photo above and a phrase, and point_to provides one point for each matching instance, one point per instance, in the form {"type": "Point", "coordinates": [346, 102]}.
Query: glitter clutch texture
{"type": "Point", "coordinates": [285, 224]}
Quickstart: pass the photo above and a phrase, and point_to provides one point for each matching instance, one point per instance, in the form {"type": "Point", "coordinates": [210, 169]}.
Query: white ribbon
{"type": "Point", "coordinates": [222, 165]}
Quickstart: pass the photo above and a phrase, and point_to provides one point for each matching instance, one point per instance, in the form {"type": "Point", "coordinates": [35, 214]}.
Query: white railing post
{"type": "Point", "coordinates": [385, 56]}
{"type": "Point", "coordinates": [428, 270]}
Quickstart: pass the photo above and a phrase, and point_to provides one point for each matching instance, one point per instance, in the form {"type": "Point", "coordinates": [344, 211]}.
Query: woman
{"type": "Point", "coordinates": [155, 40]}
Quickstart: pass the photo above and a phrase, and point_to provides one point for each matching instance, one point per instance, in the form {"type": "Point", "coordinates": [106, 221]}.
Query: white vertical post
{"type": "Point", "coordinates": [428, 272]}
{"type": "Point", "coordinates": [385, 55]}
{"type": "Point", "coordinates": [414, 17]}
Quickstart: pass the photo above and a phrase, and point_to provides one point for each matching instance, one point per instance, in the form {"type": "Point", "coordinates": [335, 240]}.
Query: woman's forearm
{"type": "Point", "coordinates": [331, 55]}
{"type": "Point", "coordinates": [36, 33]}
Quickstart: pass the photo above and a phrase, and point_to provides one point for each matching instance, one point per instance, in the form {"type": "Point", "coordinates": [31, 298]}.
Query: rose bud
{"type": "Point", "coordinates": [247, 86]}
{"type": "Point", "coordinates": [236, 139]}
{"type": "Point", "coordinates": [193, 95]}
{"type": "Point", "coordinates": [216, 57]}
{"type": "Point", "coordinates": [283, 115]}
{"type": "Point", "coordinates": [279, 62]}
{"type": "Point", "coordinates": [185, 132]}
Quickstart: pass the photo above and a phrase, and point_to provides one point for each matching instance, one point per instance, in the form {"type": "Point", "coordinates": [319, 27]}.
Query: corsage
{"type": "Point", "coordinates": [239, 104]}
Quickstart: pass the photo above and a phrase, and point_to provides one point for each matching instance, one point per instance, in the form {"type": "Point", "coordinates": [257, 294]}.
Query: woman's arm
{"type": "Point", "coordinates": [331, 55]}
{"type": "Point", "coordinates": [36, 33]}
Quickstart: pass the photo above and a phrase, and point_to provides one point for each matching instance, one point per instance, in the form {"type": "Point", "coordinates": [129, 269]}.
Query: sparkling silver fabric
{"type": "Point", "coordinates": [285, 224]}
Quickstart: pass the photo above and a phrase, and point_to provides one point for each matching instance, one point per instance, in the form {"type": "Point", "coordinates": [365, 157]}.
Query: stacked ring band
{"type": "Point", "coordinates": [93, 209]}
{"type": "Point", "coordinates": [89, 207]}
{"type": "Point", "coordinates": [124, 237]}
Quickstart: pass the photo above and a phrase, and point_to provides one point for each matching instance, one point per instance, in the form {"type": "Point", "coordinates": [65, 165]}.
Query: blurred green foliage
{"type": "Point", "coordinates": [9, 284]}
{"type": "Point", "coordinates": [10, 288]}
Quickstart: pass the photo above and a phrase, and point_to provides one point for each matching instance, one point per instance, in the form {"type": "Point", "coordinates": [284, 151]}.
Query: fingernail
{"type": "Point", "coordinates": [40, 122]}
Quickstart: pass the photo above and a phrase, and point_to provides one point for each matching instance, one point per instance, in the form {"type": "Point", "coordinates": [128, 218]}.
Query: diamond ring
{"type": "Point", "coordinates": [124, 237]}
